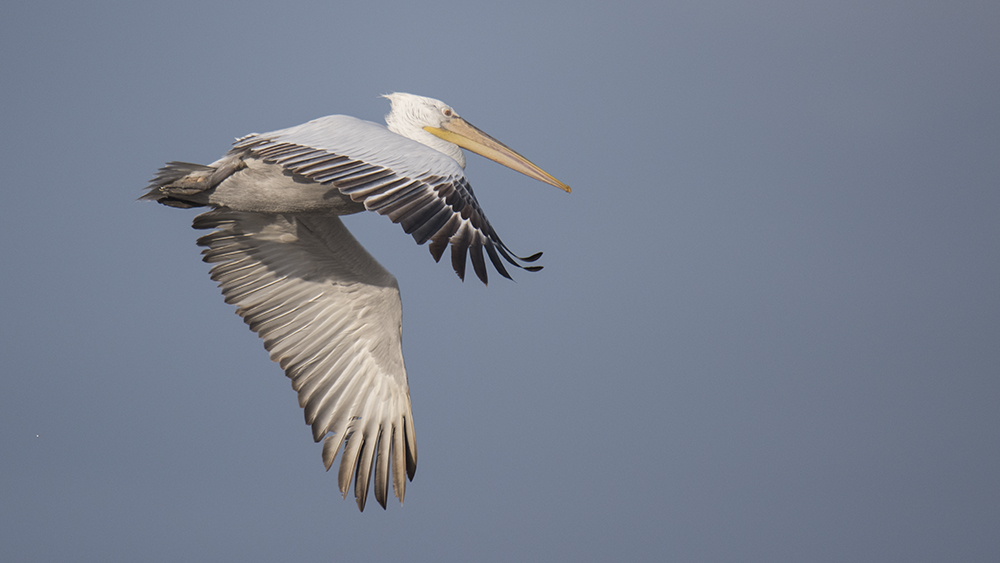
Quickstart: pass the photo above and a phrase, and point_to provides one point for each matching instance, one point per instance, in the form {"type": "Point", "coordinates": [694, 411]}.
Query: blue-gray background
{"type": "Point", "coordinates": [768, 328]}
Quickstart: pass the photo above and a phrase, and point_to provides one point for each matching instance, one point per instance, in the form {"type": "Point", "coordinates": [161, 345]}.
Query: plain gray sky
{"type": "Point", "coordinates": [768, 327]}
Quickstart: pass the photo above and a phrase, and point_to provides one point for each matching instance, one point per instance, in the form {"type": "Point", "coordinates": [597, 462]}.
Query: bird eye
{"type": "Point", "coordinates": [447, 112]}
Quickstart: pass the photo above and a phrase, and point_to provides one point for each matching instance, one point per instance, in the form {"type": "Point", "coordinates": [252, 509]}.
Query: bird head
{"type": "Point", "coordinates": [435, 124]}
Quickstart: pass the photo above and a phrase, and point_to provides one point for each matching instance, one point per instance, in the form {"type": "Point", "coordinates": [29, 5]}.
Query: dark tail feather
{"type": "Point", "coordinates": [184, 184]}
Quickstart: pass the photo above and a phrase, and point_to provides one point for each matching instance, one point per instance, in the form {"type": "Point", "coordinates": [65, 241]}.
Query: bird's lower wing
{"type": "Point", "coordinates": [330, 315]}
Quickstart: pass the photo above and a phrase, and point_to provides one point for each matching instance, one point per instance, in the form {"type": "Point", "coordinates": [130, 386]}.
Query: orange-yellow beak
{"type": "Point", "coordinates": [469, 137]}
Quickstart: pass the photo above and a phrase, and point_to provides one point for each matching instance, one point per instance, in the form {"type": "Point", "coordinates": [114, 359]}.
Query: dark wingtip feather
{"type": "Point", "coordinates": [411, 449]}
{"type": "Point", "coordinates": [495, 258]}
{"type": "Point", "coordinates": [437, 248]}
{"type": "Point", "coordinates": [479, 263]}
{"type": "Point", "coordinates": [531, 258]}
{"type": "Point", "coordinates": [458, 252]}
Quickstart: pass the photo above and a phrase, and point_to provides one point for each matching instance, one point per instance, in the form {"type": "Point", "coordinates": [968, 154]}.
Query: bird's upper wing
{"type": "Point", "coordinates": [330, 315]}
{"type": "Point", "coordinates": [422, 189]}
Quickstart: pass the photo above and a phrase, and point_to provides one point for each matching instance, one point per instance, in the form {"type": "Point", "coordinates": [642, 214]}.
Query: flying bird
{"type": "Point", "coordinates": [327, 311]}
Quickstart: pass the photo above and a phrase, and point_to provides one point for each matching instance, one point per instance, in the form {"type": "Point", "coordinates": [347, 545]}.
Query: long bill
{"type": "Point", "coordinates": [469, 137]}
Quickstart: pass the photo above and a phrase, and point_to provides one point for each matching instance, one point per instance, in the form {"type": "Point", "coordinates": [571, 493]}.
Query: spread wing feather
{"type": "Point", "coordinates": [330, 315]}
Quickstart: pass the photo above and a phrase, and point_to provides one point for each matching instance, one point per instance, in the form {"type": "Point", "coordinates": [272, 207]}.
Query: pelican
{"type": "Point", "coordinates": [328, 312]}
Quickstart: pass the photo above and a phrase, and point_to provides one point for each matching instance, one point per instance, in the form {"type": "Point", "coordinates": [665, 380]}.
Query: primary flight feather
{"type": "Point", "coordinates": [327, 311]}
